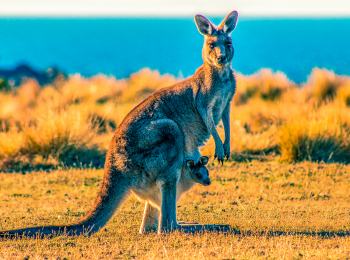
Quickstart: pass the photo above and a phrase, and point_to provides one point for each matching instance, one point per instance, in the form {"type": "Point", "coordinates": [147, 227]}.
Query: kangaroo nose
{"type": "Point", "coordinates": [222, 58]}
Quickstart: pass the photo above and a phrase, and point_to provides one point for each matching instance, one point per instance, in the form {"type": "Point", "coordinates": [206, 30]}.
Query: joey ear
{"type": "Point", "coordinates": [229, 23]}
{"type": "Point", "coordinates": [204, 160]}
{"type": "Point", "coordinates": [204, 26]}
{"type": "Point", "coordinates": [191, 164]}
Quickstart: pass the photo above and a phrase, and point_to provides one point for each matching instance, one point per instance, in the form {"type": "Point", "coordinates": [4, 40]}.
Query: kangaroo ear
{"type": "Point", "coordinates": [204, 160]}
{"type": "Point", "coordinates": [204, 26]}
{"type": "Point", "coordinates": [191, 164]}
{"type": "Point", "coordinates": [229, 23]}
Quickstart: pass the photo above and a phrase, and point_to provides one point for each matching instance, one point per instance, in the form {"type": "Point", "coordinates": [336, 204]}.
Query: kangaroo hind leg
{"type": "Point", "coordinates": [150, 219]}
{"type": "Point", "coordinates": [168, 221]}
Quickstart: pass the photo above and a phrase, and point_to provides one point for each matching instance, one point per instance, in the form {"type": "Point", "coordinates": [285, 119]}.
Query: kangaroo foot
{"type": "Point", "coordinates": [193, 228]}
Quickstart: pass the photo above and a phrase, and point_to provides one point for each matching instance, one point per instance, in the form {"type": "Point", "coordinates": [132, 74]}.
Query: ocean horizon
{"type": "Point", "coordinates": [121, 46]}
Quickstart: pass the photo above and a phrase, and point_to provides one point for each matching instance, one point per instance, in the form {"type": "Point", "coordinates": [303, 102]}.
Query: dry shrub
{"type": "Point", "coordinates": [335, 111]}
{"type": "Point", "coordinates": [323, 84]}
{"type": "Point", "coordinates": [257, 115]}
{"type": "Point", "coordinates": [315, 139]}
{"type": "Point", "coordinates": [9, 109]}
{"type": "Point", "coordinates": [66, 137]}
{"type": "Point", "coordinates": [103, 117]}
{"type": "Point", "coordinates": [49, 97]}
{"type": "Point", "coordinates": [343, 93]}
{"type": "Point", "coordinates": [28, 92]}
{"type": "Point", "coordinates": [143, 83]}
{"type": "Point", "coordinates": [53, 139]}
{"type": "Point", "coordinates": [263, 84]}
{"type": "Point", "coordinates": [10, 142]}
{"type": "Point", "coordinates": [9, 105]}
{"type": "Point", "coordinates": [247, 146]}
{"type": "Point", "coordinates": [99, 88]}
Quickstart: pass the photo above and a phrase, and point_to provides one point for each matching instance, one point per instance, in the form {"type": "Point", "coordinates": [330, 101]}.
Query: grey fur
{"type": "Point", "coordinates": [148, 153]}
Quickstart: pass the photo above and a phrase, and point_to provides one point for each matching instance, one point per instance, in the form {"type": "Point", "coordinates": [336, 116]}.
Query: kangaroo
{"type": "Point", "coordinates": [199, 172]}
{"type": "Point", "coordinates": [147, 155]}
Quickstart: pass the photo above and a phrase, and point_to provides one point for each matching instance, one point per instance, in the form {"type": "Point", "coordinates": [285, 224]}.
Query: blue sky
{"type": "Point", "coordinates": [174, 7]}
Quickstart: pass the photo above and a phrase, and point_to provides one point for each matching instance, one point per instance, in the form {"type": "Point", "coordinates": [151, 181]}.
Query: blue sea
{"type": "Point", "coordinates": [121, 46]}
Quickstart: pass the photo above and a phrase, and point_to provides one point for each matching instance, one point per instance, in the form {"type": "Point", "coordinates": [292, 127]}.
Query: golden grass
{"type": "Point", "coordinates": [271, 117]}
{"type": "Point", "coordinates": [323, 84]}
{"type": "Point", "coordinates": [315, 139]}
{"type": "Point", "coordinates": [52, 139]}
{"type": "Point", "coordinates": [278, 211]}
{"type": "Point", "coordinates": [144, 83]}
{"type": "Point", "coordinates": [263, 84]}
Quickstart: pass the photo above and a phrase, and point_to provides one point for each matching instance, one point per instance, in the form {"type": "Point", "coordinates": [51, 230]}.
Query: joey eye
{"type": "Point", "coordinates": [211, 46]}
{"type": "Point", "coordinates": [228, 44]}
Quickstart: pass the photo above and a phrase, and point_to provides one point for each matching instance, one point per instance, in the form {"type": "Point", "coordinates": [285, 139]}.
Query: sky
{"type": "Point", "coordinates": [321, 8]}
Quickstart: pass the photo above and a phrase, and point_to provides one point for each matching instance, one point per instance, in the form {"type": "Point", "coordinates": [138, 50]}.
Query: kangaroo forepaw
{"type": "Point", "coordinates": [227, 150]}
{"type": "Point", "coordinates": [219, 160]}
{"type": "Point", "coordinates": [219, 154]}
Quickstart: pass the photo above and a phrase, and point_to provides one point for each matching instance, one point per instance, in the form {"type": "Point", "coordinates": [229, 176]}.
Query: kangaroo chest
{"type": "Point", "coordinates": [223, 94]}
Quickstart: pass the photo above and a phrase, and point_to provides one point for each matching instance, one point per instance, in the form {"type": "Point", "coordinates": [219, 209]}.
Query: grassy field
{"type": "Point", "coordinates": [285, 190]}
{"type": "Point", "coordinates": [278, 211]}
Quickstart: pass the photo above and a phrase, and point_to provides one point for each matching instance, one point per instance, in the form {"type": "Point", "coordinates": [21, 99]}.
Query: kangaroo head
{"type": "Point", "coordinates": [199, 172]}
{"type": "Point", "coordinates": [217, 50]}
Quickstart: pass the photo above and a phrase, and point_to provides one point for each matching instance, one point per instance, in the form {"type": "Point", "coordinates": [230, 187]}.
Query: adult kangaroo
{"type": "Point", "coordinates": [149, 150]}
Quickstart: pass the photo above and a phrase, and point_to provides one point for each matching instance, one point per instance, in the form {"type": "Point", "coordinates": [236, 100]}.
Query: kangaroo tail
{"type": "Point", "coordinates": [114, 189]}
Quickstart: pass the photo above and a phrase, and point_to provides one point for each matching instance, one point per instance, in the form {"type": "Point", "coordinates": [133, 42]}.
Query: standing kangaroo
{"type": "Point", "coordinates": [149, 150]}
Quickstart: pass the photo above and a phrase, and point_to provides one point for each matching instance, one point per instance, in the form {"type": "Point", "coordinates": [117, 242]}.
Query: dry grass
{"type": "Point", "coordinates": [324, 139]}
{"type": "Point", "coordinates": [278, 211]}
{"type": "Point", "coordinates": [272, 117]}
{"type": "Point", "coordinates": [144, 83]}
{"type": "Point", "coordinates": [324, 85]}
{"type": "Point", "coordinates": [263, 84]}
{"type": "Point", "coordinates": [51, 140]}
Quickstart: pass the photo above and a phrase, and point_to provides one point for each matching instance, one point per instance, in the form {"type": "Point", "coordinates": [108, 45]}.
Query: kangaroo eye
{"type": "Point", "coordinates": [211, 46]}
{"type": "Point", "coordinates": [228, 44]}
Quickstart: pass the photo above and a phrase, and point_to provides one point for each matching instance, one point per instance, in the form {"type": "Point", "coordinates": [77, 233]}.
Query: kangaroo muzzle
{"type": "Point", "coordinates": [222, 59]}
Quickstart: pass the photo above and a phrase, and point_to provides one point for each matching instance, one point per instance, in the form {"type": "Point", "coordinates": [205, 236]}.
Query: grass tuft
{"type": "Point", "coordinates": [323, 84]}
{"type": "Point", "coordinates": [264, 84]}
{"type": "Point", "coordinates": [53, 139]}
{"type": "Point", "coordinates": [315, 140]}
{"type": "Point", "coordinates": [144, 83]}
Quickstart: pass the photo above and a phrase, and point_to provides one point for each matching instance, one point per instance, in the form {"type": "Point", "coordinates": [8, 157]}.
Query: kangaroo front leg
{"type": "Point", "coordinates": [207, 117]}
{"type": "Point", "coordinates": [168, 220]}
{"type": "Point", "coordinates": [150, 219]}
{"type": "Point", "coordinates": [226, 122]}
